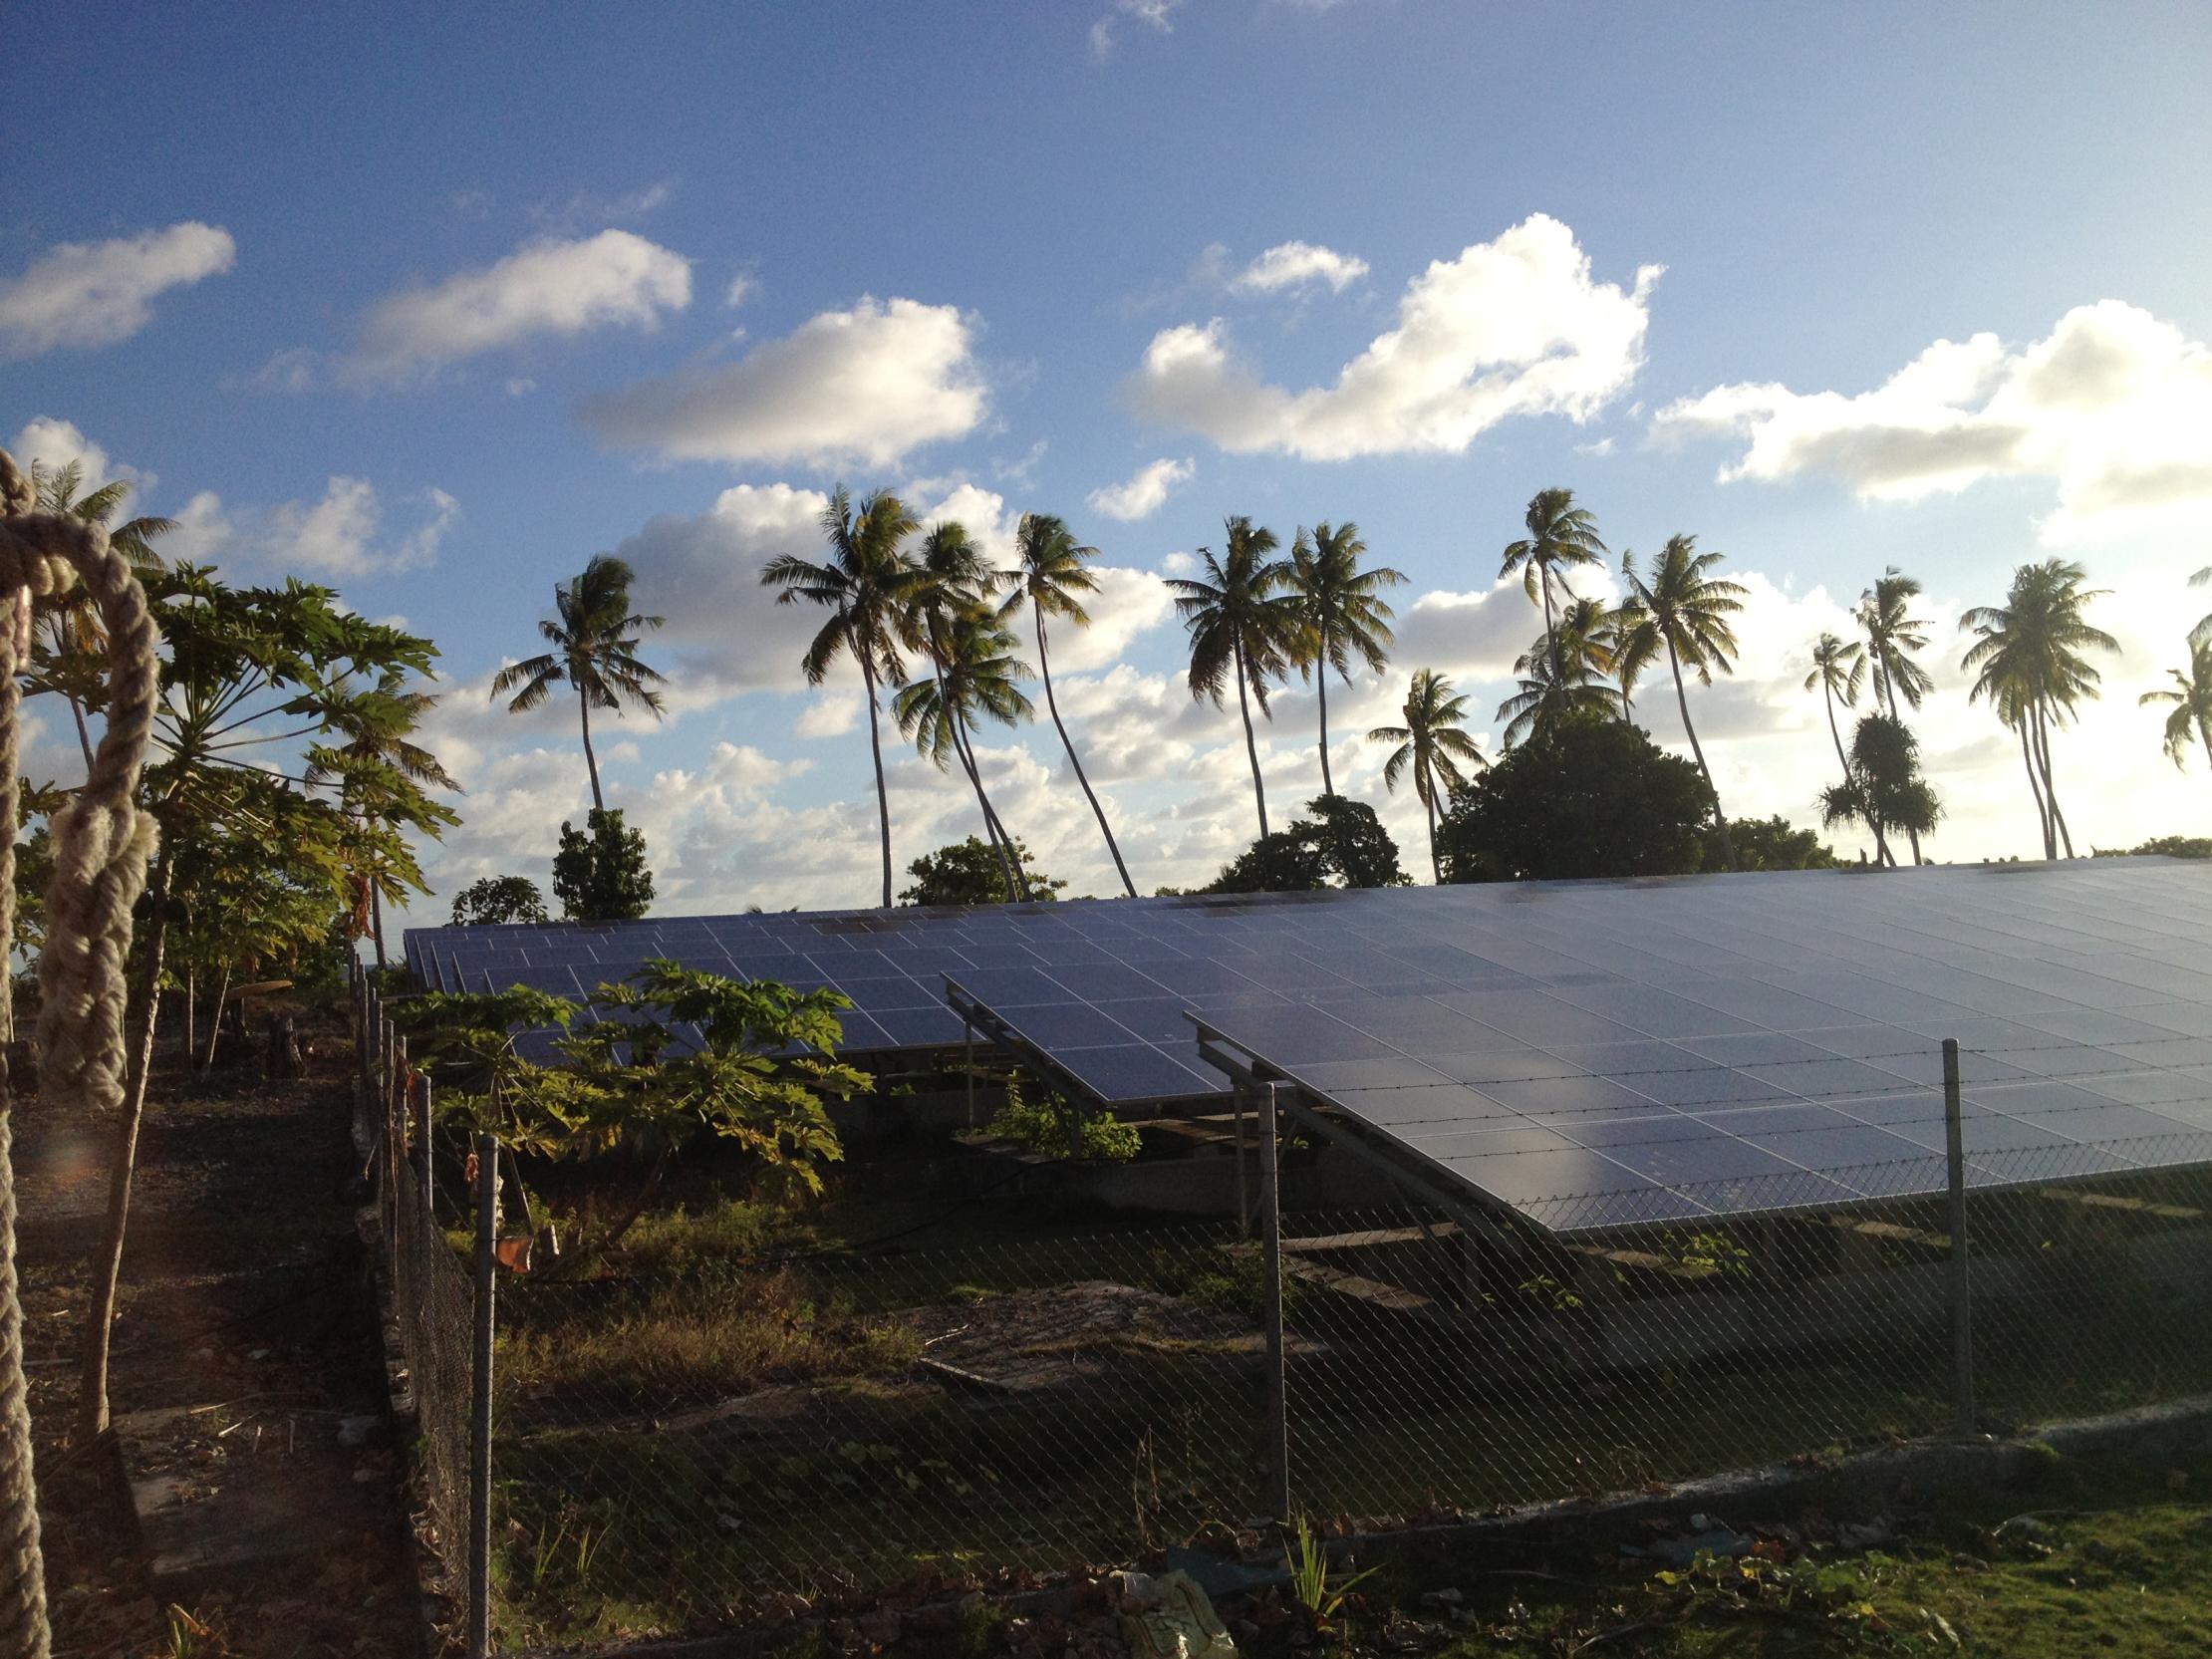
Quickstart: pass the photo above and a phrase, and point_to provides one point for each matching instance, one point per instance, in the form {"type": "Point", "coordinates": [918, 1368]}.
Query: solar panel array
{"type": "Point", "coordinates": [1658, 1048]}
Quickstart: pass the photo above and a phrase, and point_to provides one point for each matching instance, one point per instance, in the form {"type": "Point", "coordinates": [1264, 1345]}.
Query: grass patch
{"type": "Point", "coordinates": [2114, 1560]}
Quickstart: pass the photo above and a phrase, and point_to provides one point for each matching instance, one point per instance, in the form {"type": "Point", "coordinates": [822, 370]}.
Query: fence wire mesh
{"type": "Point", "coordinates": [684, 1438]}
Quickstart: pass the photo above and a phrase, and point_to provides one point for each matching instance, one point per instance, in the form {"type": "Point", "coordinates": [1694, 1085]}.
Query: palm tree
{"type": "Point", "coordinates": [2202, 633]}
{"type": "Point", "coordinates": [1561, 536]}
{"type": "Point", "coordinates": [977, 672]}
{"type": "Point", "coordinates": [381, 773]}
{"type": "Point", "coordinates": [1432, 743]}
{"type": "Point", "coordinates": [2027, 651]}
{"type": "Point", "coordinates": [1894, 634]}
{"type": "Point", "coordinates": [1690, 611]}
{"type": "Point", "coordinates": [1884, 785]}
{"type": "Point", "coordinates": [2192, 701]}
{"type": "Point", "coordinates": [954, 578]}
{"type": "Point", "coordinates": [1840, 670]}
{"type": "Point", "coordinates": [74, 635]}
{"type": "Point", "coordinates": [1245, 624]}
{"type": "Point", "coordinates": [1345, 614]}
{"type": "Point", "coordinates": [1050, 574]}
{"type": "Point", "coordinates": [864, 584]}
{"type": "Point", "coordinates": [1580, 648]}
{"type": "Point", "coordinates": [594, 635]}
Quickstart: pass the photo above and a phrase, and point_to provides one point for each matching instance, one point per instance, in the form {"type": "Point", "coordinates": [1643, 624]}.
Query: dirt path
{"type": "Point", "coordinates": [248, 1380]}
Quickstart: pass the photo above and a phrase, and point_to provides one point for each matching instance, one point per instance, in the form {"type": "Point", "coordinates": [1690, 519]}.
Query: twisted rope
{"type": "Point", "coordinates": [102, 842]}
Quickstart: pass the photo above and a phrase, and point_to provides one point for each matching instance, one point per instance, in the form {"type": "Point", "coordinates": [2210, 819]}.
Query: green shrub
{"type": "Point", "coordinates": [1041, 1126]}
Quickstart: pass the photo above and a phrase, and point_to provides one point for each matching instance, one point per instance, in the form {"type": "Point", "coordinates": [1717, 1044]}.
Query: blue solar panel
{"type": "Point", "coordinates": [1791, 1017]}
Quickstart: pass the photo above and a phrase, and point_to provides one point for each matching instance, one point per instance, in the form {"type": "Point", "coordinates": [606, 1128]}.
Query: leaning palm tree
{"type": "Point", "coordinates": [594, 636]}
{"type": "Point", "coordinates": [1894, 634]}
{"type": "Point", "coordinates": [1690, 610]}
{"type": "Point", "coordinates": [75, 639]}
{"type": "Point", "coordinates": [1245, 625]}
{"type": "Point", "coordinates": [2029, 663]}
{"type": "Point", "coordinates": [1561, 536]}
{"type": "Point", "coordinates": [1582, 646]}
{"type": "Point", "coordinates": [864, 584]}
{"type": "Point", "coordinates": [976, 673]}
{"type": "Point", "coordinates": [952, 577]}
{"type": "Point", "coordinates": [2192, 699]}
{"type": "Point", "coordinates": [1346, 614]}
{"type": "Point", "coordinates": [1050, 572]}
{"type": "Point", "coordinates": [1432, 743]}
{"type": "Point", "coordinates": [1840, 670]}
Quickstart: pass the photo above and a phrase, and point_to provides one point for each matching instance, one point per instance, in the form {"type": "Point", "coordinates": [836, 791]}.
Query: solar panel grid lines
{"type": "Point", "coordinates": [2088, 973]}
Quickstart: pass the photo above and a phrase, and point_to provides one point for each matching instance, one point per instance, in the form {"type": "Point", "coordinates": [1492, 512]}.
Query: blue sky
{"type": "Point", "coordinates": [433, 304]}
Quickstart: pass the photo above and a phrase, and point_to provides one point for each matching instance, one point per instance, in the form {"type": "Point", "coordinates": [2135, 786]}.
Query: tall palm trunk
{"type": "Point", "coordinates": [2049, 788]}
{"type": "Point", "coordinates": [1252, 748]}
{"type": "Point", "coordinates": [1551, 627]}
{"type": "Point", "coordinates": [1682, 701]}
{"type": "Point", "coordinates": [591, 760]}
{"type": "Point", "coordinates": [2034, 788]}
{"type": "Point", "coordinates": [1889, 684]}
{"type": "Point", "coordinates": [1321, 677]}
{"type": "Point", "coordinates": [1009, 854]}
{"type": "Point", "coordinates": [875, 750]}
{"type": "Point", "coordinates": [1426, 781]}
{"type": "Point", "coordinates": [100, 1313]}
{"type": "Point", "coordinates": [1044, 667]}
{"type": "Point", "coordinates": [967, 765]}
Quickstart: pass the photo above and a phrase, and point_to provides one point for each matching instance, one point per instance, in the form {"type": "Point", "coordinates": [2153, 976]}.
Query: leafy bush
{"type": "Point", "coordinates": [1041, 1126]}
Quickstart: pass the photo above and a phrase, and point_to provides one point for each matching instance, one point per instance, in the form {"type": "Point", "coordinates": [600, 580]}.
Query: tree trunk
{"type": "Point", "coordinates": [215, 1020]}
{"type": "Point", "coordinates": [2204, 731]}
{"type": "Point", "coordinates": [83, 734]}
{"type": "Point", "coordinates": [975, 778]}
{"type": "Point", "coordinates": [584, 707]}
{"type": "Point", "coordinates": [1682, 701]}
{"type": "Point", "coordinates": [191, 1012]}
{"type": "Point", "coordinates": [1552, 628]}
{"type": "Point", "coordinates": [1322, 682]}
{"type": "Point", "coordinates": [2034, 788]}
{"type": "Point", "coordinates": [1044, 667]}
{"type": "Point", "coordinates": [1428, 802]}
{"type": "Point", "coordinates": [1888, 684]}
{"type": "Point", "coordinates": [375, 918]}
{"type": "Point", "coordinates": [1009, 854]}
{"type": "Point", "coordinates": [1835, 736]}
{"type": "Point", "coordinates": [875, 748]}
{"type": "Point", "coordinates": [99, 1315]}
{"type": "Point", "coordinates": [2050, 788]}
{"type": "Point", "coordinates": [1252, 750]}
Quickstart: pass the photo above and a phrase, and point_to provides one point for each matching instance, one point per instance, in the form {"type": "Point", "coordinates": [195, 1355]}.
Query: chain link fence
{"type": "Point", "coordinates": [690, 1440]}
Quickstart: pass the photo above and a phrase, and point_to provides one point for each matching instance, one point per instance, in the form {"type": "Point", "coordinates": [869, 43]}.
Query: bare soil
{"type": "Point", "coordinates": [246, 1339]}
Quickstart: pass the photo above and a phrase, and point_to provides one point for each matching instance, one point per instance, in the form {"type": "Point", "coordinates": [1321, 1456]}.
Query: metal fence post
{"type": "Point", "coordinates": [1960, 1292]}
{"type": "Point", "coordinates": [967, 1064]}
{"type": "Point", "coordinates": [1243, 1202]}
{"type": "Point", "coordinates": [479, 1399]}
{"type": "Point", "coordinates": [1279, 1427]}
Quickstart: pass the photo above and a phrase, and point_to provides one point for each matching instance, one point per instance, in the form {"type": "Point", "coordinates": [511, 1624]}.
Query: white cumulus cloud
{"type": "Point", "coordinates": [1296, 265]}
{"type": "Point", "coordinates": [342, 536]}
{"type": "Point", "coordinates": [1511, 327]}
{"type": "Point", "coordinates": [2113, 406]}
{"type": "Point", "coordinates": [49, 444]}
{"type": "Point", "coordinates": [96, 293]}
{"type": "Point", "coordinates": [1143, 494]}
{"type": "Point", "coordinates": [614, 279]}
{"type": "Point", "coordinates": [861, 386]}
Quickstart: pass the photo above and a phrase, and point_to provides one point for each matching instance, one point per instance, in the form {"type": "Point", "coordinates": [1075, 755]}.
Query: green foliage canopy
{"type": "Point", "coordinates": [1587, 797]}
{"type": "Point", "coordinates": [602, 875]}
